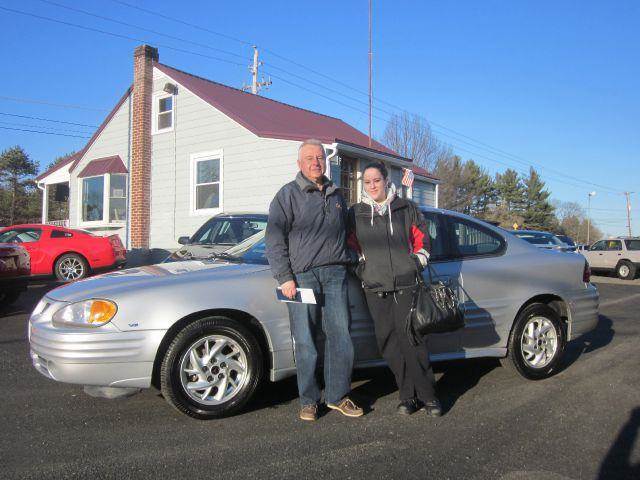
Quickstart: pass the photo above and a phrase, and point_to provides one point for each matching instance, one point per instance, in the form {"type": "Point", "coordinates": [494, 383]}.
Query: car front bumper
{"type": "Point", "coordinates": [584, 305]}
{"type": "Point", "coordinates": [102, 356]}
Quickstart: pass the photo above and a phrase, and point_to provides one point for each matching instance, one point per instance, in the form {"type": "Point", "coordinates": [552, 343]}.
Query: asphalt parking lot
{"type": "Point", "coordinates": [580, 424]}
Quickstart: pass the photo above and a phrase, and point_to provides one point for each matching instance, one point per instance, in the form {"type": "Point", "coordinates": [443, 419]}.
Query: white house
{"type": "Point", "coordinates": [178, 149]}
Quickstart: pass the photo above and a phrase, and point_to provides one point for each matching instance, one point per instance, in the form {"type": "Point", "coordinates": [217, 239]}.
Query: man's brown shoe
{"type": "Point", "coordinates": [347, 407]}
{"type": "Point", "coordinates": [309, 413]}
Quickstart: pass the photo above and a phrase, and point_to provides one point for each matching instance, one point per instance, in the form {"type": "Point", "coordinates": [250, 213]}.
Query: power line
{"type": "Point", "coordinates": [118, 35]}
{"type": "Point", "coordinates": [513, 157]}
{"type": "Point", "coordinates": [51, 104]}
{"type": "Point", "coordinates": [48, 120]}
{"type": "Point", "coordinates": [144, 29]}
{"type": "Point", "coordinates": [45, 133]}
{"type": "Point", "coordinates": [40, 126]}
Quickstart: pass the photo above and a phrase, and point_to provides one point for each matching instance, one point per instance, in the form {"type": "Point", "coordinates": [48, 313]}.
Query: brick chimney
{"type": "Point", "coordinates": [140, 174]}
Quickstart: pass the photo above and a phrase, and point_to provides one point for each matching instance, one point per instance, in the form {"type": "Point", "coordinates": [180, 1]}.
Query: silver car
{"type": "Point", "coordinates": [206, 333]}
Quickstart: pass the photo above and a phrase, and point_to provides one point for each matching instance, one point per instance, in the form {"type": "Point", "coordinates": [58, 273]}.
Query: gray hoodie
{"type": "Point", "coordinates": [306, 228]}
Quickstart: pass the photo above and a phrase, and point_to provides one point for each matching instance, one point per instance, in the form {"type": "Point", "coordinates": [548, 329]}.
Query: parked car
{"type": "Point", "coordinates": [568, 241]}
{"type": "Point", "coordinates": [219, 234]}
{"type": "Point", "coordinates": [620, 255]}
{"type": "Point", "coordinates": [206, 333]}
{"type": "Point", "coordinates": [66, 253]}
{"type": "Point", "coordinates": [15, 268]}
{"type": "Point", "coordinates": [542, 240]}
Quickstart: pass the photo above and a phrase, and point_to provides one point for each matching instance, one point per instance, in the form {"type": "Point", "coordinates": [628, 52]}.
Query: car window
{"type": "Point", "coordinates": [632, 244]}
{"type": "Point", "coordinates": [471, 239]}
{"type": "Point", "coordinates": [21, 235]}
{"type": "Point", "coordinates": [60, 234]}
{"type": "Point", "coordinates": [437, 236]}
{"type": "Point", "coordinates": [614, 245]}
{"type": "Point", "coordinates": [228, 231]}
{"type": "Point", "coordinates": [539, 238]}
{"type": "Point", "coordinates": [598, 246]}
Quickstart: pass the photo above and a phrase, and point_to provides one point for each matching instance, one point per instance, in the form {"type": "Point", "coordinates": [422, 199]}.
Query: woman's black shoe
{"type": "Point", "coordinates": [433, 408]}
{"type": "Point", "coordinates": [408, 407]}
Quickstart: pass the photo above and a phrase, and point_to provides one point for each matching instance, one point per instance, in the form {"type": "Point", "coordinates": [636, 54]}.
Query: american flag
{"type": "Point", "coordinates": [407, 178]}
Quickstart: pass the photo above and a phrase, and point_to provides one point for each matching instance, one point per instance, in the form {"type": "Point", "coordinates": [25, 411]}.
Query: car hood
{"type": "Point", "coordinates": [152, 276]}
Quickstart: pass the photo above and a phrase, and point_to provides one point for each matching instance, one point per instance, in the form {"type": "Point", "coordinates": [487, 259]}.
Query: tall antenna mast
{"type": "Point", "coordinates": [370, 74]}
{"type": "Point", "coordinates": [256, 86]}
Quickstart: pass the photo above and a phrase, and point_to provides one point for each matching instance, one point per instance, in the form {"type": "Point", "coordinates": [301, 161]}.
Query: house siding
{"type": "Point", "coordinates": [254, 168]}
{"type": "Point", "coordinates": [113, 140]}
{"type": "Point", "coordinates": [424, 193]}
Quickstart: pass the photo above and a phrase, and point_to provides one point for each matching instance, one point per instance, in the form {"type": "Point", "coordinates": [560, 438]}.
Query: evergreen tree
{"type": "Point", "coordinates": [538, 212]}
{"type": "Point", "coordinates": [509, 191]}
{"type": "Point", "coordinates": [16, 168]}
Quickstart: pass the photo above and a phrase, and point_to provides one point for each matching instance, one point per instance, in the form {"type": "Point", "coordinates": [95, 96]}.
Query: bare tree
{"type": "Point", "coordinates": [411, 136]}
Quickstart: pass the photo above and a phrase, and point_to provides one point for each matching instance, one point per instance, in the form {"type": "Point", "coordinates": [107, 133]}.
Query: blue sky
{"type": "Point", "coordinates": [552, 83]}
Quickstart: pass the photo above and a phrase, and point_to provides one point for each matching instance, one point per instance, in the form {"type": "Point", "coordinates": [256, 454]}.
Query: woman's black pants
{"type": "Point", "coordinates": [409, 364]}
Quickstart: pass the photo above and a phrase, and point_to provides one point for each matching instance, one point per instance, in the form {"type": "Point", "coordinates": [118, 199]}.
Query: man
{"type": "Point", "coordinates": [306, 248]}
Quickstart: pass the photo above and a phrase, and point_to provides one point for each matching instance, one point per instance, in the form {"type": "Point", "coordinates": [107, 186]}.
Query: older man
{"type": "Point", "coordinates": [306, 248]}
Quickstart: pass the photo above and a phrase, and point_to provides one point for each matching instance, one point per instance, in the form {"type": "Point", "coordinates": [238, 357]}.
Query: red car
{"type": "Point", "coordinates": [66, 253]}
{"type": "Point", "coordinates": [14, 272]}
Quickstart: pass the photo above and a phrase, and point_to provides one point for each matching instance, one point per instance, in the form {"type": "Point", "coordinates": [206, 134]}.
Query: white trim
{"type": "Point", "coordinates": [201, 156]}
{"type": "Point", "coordinates": [106, 185]}
{"type": "Point", "coordinates": [156, 97]}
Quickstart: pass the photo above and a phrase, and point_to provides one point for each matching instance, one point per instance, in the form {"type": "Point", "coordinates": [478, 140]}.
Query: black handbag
{"type": "Point", "coordinates": [435, 309]}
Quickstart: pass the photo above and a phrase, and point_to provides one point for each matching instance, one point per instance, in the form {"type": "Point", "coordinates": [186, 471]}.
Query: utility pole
{"type": "Point", "coordinates": [256, 86]}
{"type": "Point", "coordinates": [628, 195]}
{"type": "Point", "coordinates": [370, 74]}
{"type": "Point", "coordinates": [591, 194]}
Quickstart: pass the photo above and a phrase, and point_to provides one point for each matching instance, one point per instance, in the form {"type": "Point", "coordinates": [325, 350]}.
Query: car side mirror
{"type": "Point", "coordinates": [183, 240]}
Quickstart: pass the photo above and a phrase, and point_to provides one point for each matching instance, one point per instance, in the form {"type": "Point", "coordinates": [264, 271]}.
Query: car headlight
{"type": "Point", "coordinates": [87, 313]}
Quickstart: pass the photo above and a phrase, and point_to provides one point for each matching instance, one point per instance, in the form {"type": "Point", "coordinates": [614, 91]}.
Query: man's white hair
{"type": "Point", "coordinates": [312, 141]}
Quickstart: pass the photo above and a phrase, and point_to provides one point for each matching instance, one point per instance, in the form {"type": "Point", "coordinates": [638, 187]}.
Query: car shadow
{"type": "Point", "coordinates": [459, 377]}
{"type": "Point", "coordinates": [597, 338]}
{"type": "Point", "coordinates": [617, 462]}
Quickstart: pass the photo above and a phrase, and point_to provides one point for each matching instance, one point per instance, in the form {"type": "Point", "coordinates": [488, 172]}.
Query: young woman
{"type": "Point", "coordinates": [390, 237]}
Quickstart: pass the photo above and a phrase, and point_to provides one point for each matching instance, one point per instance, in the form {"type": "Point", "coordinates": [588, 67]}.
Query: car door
{"type": "Point", "coordinates": [32, 240]}
{"type": "Point", "coordinates": [612, 253]}
{"type": "Point", "coordinates": [596, 254]}
{"type": "Point", "coordinates": [484, 283]}
{"type": "Point", "coordinates": [446, 268]}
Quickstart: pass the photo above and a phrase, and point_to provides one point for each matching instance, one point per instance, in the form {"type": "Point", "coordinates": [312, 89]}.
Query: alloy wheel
{"type": "Point", "coordinates": [213, 370]}
{"type": "Point", "coordinates": [623, 271]}
{"type": "Point", "coordinates": [539, 342]}
{"type": "Point", "coordinates": [71, 268]}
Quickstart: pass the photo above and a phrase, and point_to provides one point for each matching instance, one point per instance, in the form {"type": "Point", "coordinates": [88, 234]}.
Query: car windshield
{"type": "Point", "coordinates": [540, 238]}
{"type": "Point", "coordinates": [567, 240]}
{"type": "Point", "coordinates": [252, 250]}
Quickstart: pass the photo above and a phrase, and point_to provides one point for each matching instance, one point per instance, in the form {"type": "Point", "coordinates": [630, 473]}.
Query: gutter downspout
{"type": "Point", "coordinates": [334, 153]}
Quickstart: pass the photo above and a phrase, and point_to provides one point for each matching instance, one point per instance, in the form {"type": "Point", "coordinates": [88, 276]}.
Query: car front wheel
{"type": "Point", "coordinates": [211, 369]}
{"type": "Point", "coordinates": [537, 342]}
{"type": "Point", "coordinates": [70, 267]}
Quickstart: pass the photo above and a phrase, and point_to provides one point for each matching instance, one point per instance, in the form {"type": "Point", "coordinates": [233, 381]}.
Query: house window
{"type": "Point", "coordinates": [104, 198]}
{"type": "Point", "coordinates": [163, 113]}
{"type": "Point", "coordinates": [92, 199]}
{"type": "Point", "coordinates": [206, 191]}
{"type": "Point", "coordinates": [117, 198]}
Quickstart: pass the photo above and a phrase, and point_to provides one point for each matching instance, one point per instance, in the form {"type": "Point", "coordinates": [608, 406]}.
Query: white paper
{"type": "Point", "coordinates": [303, 295]}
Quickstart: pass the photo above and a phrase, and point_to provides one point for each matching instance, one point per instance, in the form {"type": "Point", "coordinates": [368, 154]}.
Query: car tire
{"type": "Point", "coordinates": [537, 342]}
{"type": "Point", "coordinates": [236, 369]}
{"type": "Point", "coordinates": [626, 270]}
{"type": "Point", "coordinates": [71, 267]}
{"type": "Point", "coordinates": [8, 297]}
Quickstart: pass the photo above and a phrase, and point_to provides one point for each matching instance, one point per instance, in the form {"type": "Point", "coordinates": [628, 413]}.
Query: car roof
{"type": "Point", "coordinates": [531, 232]}
{"type": "Point", "coordinates": [241, 215]}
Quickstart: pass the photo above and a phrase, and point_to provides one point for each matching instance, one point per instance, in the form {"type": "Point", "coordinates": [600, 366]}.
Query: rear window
{"type": "Point", "coordinates": [632, 244]}
{"type": "Point", "coordinates": [61, 234]}
{"type": "Point", "coordinates": [539, 239]}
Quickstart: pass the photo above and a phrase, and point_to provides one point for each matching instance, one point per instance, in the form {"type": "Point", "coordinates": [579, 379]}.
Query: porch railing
{"type": "Point", "coordinates": [58, 223]}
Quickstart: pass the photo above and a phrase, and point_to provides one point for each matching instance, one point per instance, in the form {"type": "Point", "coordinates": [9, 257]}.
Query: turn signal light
{"type": "Point", "coordinates": [101, 312]}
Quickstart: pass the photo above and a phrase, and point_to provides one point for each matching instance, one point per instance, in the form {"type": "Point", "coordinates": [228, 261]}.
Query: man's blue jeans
{"type": "Point", "coordinates": [329, 284]}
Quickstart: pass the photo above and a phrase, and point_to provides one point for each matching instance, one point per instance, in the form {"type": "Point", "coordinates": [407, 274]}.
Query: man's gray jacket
{"type": "Point", "coordinates": [306, 228]}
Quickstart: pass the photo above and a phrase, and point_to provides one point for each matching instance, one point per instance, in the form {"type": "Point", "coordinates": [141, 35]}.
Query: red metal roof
{"type": "Point", "coordinates": [423, 173]}
{"type": "Point", "coordinates": [270, 118]}
{"type": "Point", "coordinates": [101, 166]}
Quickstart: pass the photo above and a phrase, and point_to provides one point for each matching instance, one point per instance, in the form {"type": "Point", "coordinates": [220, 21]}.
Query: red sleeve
{"type": "Point", "coordinates": [418, 239]}
{"type": "Point", "coordinates": [352, 242]}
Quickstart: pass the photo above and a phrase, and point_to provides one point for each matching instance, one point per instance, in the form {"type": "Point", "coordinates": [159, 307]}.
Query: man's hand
{"type": "Point", "coordinates": [289, 289]}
